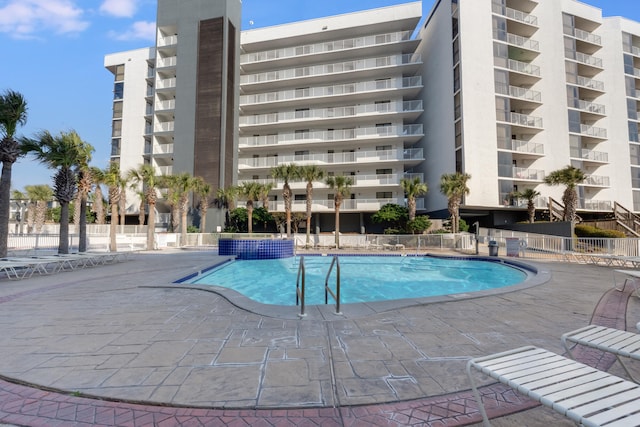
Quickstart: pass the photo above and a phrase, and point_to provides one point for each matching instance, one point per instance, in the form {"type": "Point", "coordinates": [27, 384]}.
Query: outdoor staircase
{"type": "Point", "coordinates": [556, 211]}
{"type": "Point", "coordinates": [627, 220]}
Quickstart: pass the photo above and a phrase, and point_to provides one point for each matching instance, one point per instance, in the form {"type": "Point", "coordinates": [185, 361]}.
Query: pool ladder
{"type": "Point", "coordinates": [300, 285]}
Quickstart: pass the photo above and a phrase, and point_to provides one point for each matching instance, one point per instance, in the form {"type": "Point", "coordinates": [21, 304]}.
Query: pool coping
{"type": "Point", "coordinates": [536, 275]}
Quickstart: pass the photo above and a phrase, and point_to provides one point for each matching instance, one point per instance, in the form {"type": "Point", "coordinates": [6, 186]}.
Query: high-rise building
{"type": "Point", "coordinates": [504, 90]}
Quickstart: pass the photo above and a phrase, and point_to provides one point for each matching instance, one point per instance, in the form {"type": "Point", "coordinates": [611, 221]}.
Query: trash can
{"type": "Point", "coordinates": [493, 248]}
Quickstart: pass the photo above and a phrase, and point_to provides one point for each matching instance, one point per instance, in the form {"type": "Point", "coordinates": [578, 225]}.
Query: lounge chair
{"type": "Point", "coordinates": [581, 393]}
{"type": "Point", "coordinates": [632, 275]}
{"type": "Point", "coordinates": [15, 270]}
{"type": "Point", "coordinates": [620, 343]}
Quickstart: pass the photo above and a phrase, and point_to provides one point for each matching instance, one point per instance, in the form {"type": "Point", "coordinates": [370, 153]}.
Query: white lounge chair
{"type": "Point", "coordinates": [581, 393]}
{"type": "Point", "coordinates": [632, 276]}
{"type": "Point", "coordinates": [614, 341]}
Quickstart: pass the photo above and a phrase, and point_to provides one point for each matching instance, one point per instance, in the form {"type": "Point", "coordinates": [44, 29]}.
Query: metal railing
{"type": "Point", "coordinates": [300, 287]}
{"type": "Point", "coordinates": [327, 290]}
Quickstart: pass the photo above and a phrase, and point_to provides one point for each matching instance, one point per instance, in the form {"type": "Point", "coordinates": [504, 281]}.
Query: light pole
{"type": "Point", "coordinates": [477, 228]}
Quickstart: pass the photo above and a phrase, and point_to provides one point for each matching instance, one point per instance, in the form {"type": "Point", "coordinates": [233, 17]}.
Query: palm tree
{"type": "Point", "coordinates": [529, 194]}
{"type": "Point", "coordinates": [341, 185]}
{"type": "Point", "coordinates": [13, 113]}
{"type": "Point", "coordinates": [183, 185]}
{"type": "Point", "coordinates": [122, 202]}
{"type": "Point", "coordinates": [454, 187]}
{"type": "Point", "coordinates": [172, 197]}
{"type": "Point", "coordinates": [226, 198]}
{"type": "Point", "coordinates": [142, 211]}
{"type": "Point", "coordinates": [570, 177]}
{"type": "Point", "coordinates": [251, 191]}
{"type": "Point", "coordinates": [84, 188]}
{"type": "Point", "coordinates": [264, 194]}
{"type": "Point", "coordinates": [146, 176]}
{"type": "Point", "coordinates": [112, 179]}
{"type": "Point", "coordinates": [64, 153]}
{"type": "Point", "coordinates": [413, 188]}
{"type": "Point", "coordinates": [203, 191]}
{"type": "Point", "coordinates": [310, 174]}
{"type": "Point", "coordinates": [286, 173]}
{"type": "Point", "coordinates": [97, 207]}
{"type": "Point", "coordinates": [39, 197]}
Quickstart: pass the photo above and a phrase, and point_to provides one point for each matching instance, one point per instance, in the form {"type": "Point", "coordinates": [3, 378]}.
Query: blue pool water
{"type": "Point", "coordinates": [363, 278]}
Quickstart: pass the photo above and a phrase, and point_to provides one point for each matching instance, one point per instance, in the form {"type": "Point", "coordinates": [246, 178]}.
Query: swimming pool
{"type": "Point", "coordinates": [363, 278]}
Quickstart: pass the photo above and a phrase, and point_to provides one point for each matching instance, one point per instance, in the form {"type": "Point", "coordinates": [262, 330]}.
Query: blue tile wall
{"type": "Point", "coordinates": [256, 249]}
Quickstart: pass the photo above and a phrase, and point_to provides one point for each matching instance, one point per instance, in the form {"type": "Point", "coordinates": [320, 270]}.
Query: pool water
{"type": "Point", "coordinates": [363, 278]}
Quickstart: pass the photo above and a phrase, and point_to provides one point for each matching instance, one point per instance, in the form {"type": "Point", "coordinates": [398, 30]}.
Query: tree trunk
{"type": "Point", "coordinates": [63, 246]}
{"type": "Point", "coordinates": [287, 207]}
{"type": "Point", "coordinates": [337, 225]}
{"type": "Point", "coordinates": [183, 226]}
{"type": "Point", "coordinates": [203, 219]}
{"type": "Point", "coordinates": [82, 244]}
{"type": "Point", "coordinates": [250, 218]}
{"type": "Point", "coordinates": [5, 208]}
{"type": "Point", "coordinates": [113, 228]}
{"type": "Point", "coordinates": [411, 201]}
{"type": "Point", "coordinates": [309, 203]}
{"type": "Point", "coordinates": [151, 227]}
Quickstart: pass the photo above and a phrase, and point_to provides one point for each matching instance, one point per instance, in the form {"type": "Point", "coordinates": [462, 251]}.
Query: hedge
{"type": "Point", "coordinates": [589, 231]}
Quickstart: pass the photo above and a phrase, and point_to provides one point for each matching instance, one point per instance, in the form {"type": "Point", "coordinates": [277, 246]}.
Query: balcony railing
{"type": "Point", "coordinates": [521, 146]}
{"type": "Point", "coordinates": [523, 67]}
{"type": "Point", "coordinates": [164, 170]}
{"type": "Point", "coordinates": [595, 205]}
{"type": "Point", "coordinates": [347, 205]}
{"type": "Point", "coordinates": [324, 136]}
{"type": "Point", "coordinates": [598, 181]}
{"type": "Point", "coordinates": [332, 46]}
{"type": "Point", "coordinates": [169, 104]}
{"type": "Point", "coordinates": [334, 158]}
{"type": "Point", "coordinates": [634, 50]}
{"type": "Point", "coordinates": [164, 127]}
{"type": "Point", "coordinates": [330, 113]}
{"type": "Point", "coordinates": [590, 83]}
{"type": "Point", "coordinates": [167, 40]}
{"type": "Point", "coordinates": [163, 149]}
{"type": "Point", "coordinates": [587, 106]}
{"type": "Point", "coordinates": [166, 83]}
{"type": "Point", "coordinates": [518, 92]}
{"type": "Point", "coordinates": [167, 62]}
{"type": "Point", "coordinates": [325, 69]}
{"type": "Point", "coordinates": [583, 35]}
{"type": "Point", "coordinates": [596, 156]}
{"type": "Point", "coordinates": [516, 15]}
{"type": "Point", "coordinates": [516, 40]}
{"type": "Point", "coordinates": [505, 171]}
{"type": "Point", "coordinates": [593, 131]}
{"type": "Point", "coordinates": [583, 58]}
{"type": "Point", "coordinates": [335, 90]}
{"type": "Point", "coordinates": [525, 120]}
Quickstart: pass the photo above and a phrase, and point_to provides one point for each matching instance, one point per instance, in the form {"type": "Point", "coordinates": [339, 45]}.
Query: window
{"type": "Point", "coordinates": [634, 153]}
{"type": "Point", "coordinates": [118, 90]}
{"type": "Point", "coordinates": [116, 129]}
{"type": "Point", "coordinates": [120, 72]}
{"type": "Point", "coordinates": [300, 197]}
{"type": "Point", "coordinates": [117, 110]}
{"type": "Point", "coordinates": [384, 195]}
{"type": "Point", "coordinates": [300, 155]}
{"type": "Point", "coordinates": [383, 106]}
{"type": "Point", "coordinates": [115, 147]}
{"type": "Point", "coordinates": [384, 171]}
{"type": "Point", "coordinates": [302, 113]}
{"type": "Point", "coordinates": [302, 134]}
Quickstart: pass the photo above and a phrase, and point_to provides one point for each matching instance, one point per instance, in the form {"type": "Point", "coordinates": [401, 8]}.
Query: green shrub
{"type": "Point", "coordinates": [590, 231]}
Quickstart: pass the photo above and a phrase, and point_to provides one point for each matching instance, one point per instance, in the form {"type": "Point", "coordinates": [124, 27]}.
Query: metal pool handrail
{"type": "Point", "coordinates": [327, 290]}
{"type": "Point", "coordinates": [300, 287]}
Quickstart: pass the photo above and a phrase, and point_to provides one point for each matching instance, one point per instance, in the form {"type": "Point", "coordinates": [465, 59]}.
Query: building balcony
{"type": "Point", "coordinates": [523, 67]}
{"type": "Point", "coordinates": [590, 155]}
{"type": "Point", "coordinates": [595, 205]}
{"type": "Point", "coordinates": [167, 40]}
{"type": "Point", "coordinates": [162, 149]}
{"type": "Point", "coordinates": [516, 40]}
{"type": "Point", "coordinates": [519, 92]}
{"type": "Point", "coordinates": [520, 146]}
{"type": "Point", "coordinates": [634, 50]}
{"type": "Point", "coordinates": [333, 113]}
{"type": "Point", "coordinates": [590, 84]}
{"type": "Point", "coordinates": [324, 47]}
{"type": "Point", "coordinates": [519, 119]}
{"type": "Point", "coordinates": [583, 35]}
{"type": "Point", "coordinates": [406, 132]}
{"type": "Point", "coordinates": [520, 174]}
{"type": "Point", "coordinates": [166, 84]}
{"type": "Point", "coordinates": [171, 61]}
{"type": "Point", "coordinates": [583, 58]}
{"type": "Point", "coordinates": [359, 89]}
{"type": "Point", "coordinates": [348, 205]}
{"type": "Point", "coordinates": [412, 155]}
{"type": "Point", "coordinates": [586, 106]}
{"type": "Point", "coordinates": [592, 131]}
{"type": "Point", "coordinates": [164, 170]}
{"type": "Point", "coordinates": [329, 69]}
{"type": "Point", "coordinates": [596, 181]}
{"type": "Point", "coordinates": [164, 127]}
{"type": "Point", "coordinates": [365, 180]}
{"type": "Point", "coordinates": [169, 104]}
{"type": "Point", "coordinates": [515, 15]}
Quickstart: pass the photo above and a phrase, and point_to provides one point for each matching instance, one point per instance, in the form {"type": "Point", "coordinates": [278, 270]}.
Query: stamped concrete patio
{"type": "Point", "coordinates": [98, 346]}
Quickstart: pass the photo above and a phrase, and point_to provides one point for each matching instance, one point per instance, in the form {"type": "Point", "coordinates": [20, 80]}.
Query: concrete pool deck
{"type": "Point", "coordinates": [105, 345]}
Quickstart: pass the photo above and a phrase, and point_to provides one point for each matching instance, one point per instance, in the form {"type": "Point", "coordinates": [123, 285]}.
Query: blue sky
{"type": "Point", "coordinates": [53, 53]}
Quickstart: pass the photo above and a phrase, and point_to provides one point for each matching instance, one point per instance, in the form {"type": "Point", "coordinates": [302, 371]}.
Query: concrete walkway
{"type": "Point", "coordinates": [124, 334]}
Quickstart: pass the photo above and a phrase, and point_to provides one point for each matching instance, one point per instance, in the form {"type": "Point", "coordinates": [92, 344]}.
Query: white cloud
{"type": "Point", "coordinates": [27, 18]}
{"type": "Point", "coordinates": [141, 30]}
{"type": "Point", "coordinates": [119, 8]}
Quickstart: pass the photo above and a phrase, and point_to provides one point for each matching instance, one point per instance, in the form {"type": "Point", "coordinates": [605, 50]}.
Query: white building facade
{"type": "Point", "coordinates": [504, 90]}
